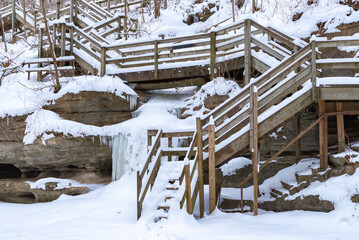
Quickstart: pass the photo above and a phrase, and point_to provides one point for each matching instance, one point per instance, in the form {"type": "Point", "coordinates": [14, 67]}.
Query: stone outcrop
{"type": "Point", "coordinates": [87, 158]}
{"type": "Point", "coordinates": [21, 192]}
{"type": "Point", "coordinates": [95, 108]}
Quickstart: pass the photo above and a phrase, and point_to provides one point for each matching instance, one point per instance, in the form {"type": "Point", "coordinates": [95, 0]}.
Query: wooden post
{"type": "Point", "coordinates": [200, 165]}
{"type": "Point", "coordinates": [13, 19]}
{"type": "Point", "coordinates": [340, 127]}
{"type": "Point", "coordinates": [213, 54]}
{"type": "Point", "coordinates": [103, 61]}
{"type": "Point", "coordinates": [247, 51]}
{"type": "Point", "coordinates": [24, 13]}
{"type": "Point", "coordinates": [314, 71]}
{"type": "Point", "coordinates": [54, 31]}
{"type": "Point", "coordinates": [188, 186]}
{"type": "Point", "coordinates": [323, 136]}
{"type": "Point", "coordinates": [35, 20]}
{"type": "Point", "coordinates": [58, 9]}
{"type": "Point", "coordinates": [211, 166]}
{"type": "Point", "coordinates": [254, 143]}
{"type": "Point", "coordinates": [119, 28]}
{"type": "Point", "coordinates": [165, 4]}
{"type": "Point", "coordinates": [40, 48]}
{"type": "Point", "coordinates": [253, 6]}
{"type": "Point", "coordinates": [72, 10]}
{"type": "Point", "coordinates": [71, 40]}
{"type": "Point", "coordinates": [108, 5]}
{"type": "Point", "coordinates": [149, 140]}
{"type": "Point", "coordinates": [126, 20]}
{"type": "Point", "coordinates": [63, 39]}
{"type": "Point", "coordinates": [139, 186]}
{"type": "Point", "coordinates": [156, 59]}
{"type": "Point", "coordinates": [169, 146]}
{"type": "Point", "coordinates": [297, 132]}
{"type": "Point", "coordinates": [233, 13]}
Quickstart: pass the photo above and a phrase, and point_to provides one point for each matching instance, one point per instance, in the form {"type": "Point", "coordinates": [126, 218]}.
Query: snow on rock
{"type": "Point", "coordinates": [352, 155]}
{"type": "Point", "coordinates": [19, 96]}
{"type": "Point", "coordinates": [61, 183]}
{"type": "Point", "coordinates": [219, 86]}
{"type": "Point", "coordinates": [235, 164]}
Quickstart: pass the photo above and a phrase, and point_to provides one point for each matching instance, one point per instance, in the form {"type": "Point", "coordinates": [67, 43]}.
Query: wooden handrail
{"type": "Point", "coordinates": [151, 153]}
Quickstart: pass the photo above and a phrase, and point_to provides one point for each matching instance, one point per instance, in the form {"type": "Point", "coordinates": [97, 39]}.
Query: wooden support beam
{"type": "Point", "coordinates": [188, 186]}
{"type": "Point", "coordinates": [340, 127]}
{"type": "Point", "coordinates": [57, 9]}
{"type": "Point", "coordinates": [72, 2]}
{"type": "Point", "coordinates": [323, 136]}
{"type": "Point", "coordinates": [247, 51]}
{"type": "Point", "coordinates": [314, 71]}
{"type": "Point", "coordinates": [71, 40]}
{"type": "Point", "coordinates": [254, 144]}
{"type": "Point", "coordinates": [63, 39]}
{"type": "Point", "coordinates": [297, 132]}
{"type": "Point", "coordinates": [126, 20]}
{"type": "Point", "coordinates": [139, 186]}
{"type": "Point", "coordinates": [103, 61]}
{"type": "Point", "coordinates": [149, 139]}
{"type": "Point", "coordinates": [13, 19]}
{"type": "Point", "coordinates": [169, 146]}
{"type": "Point", "coordinates": [211, 166]}
{"type": "Point", "coordinates": [40, 48]}
{"type": "Point", "coordinates": [200, 165]}
{"type": "Point", "coordinates": [213, 54]}
{"type": "Point", "coordinates": [156, 59]}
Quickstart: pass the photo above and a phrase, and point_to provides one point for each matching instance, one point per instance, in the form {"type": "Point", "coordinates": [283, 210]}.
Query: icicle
{"type": "Point", "coordinates": [133, 101]}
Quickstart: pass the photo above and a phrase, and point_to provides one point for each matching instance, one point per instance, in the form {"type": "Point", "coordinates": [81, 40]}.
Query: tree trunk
{"type": "Point", "coordinates": [57, 83]}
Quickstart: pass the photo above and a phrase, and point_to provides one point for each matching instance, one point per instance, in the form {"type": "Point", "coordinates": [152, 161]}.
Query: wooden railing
{"type": "Point", "coordinates": [146, 176]}
{"type": "Point", "coordinates": [211, 47]}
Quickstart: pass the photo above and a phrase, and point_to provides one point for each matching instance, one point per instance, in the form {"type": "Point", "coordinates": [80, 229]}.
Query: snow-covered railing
{"type": "Point", "coordinates": [146, 176]}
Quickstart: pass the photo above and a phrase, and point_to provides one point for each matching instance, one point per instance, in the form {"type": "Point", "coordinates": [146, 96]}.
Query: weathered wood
{"type": "Point", "coordinates": [149, 138]}
{"type": "Point", "coordinates": [126, 20]}
{"type": "Point", "coordinates": [151, 152]}
{"type": "Point", "coordinates": [254, 144]}
{"type": "Point", "coordinates": [213, 54]}
{"type": "Point", "coordinates": [340, 128]}
{"type": "Point", "coordinates": [169, 146]}
{"type": "Point", "coordinates": [314, 71]}
{"type": "Point", "coordinates": [155, 59]}
{"type": "Point", "coordinates": [139, 187]}
{"type": "Point", "coordinates": [71, 40]}
{"type": "Point", "coordinates": [72, 3]}
{"type": "Point", "coordinates": [342, 93]}
{"type": "Point", "coordinates": [247, 51]}
{"type": "Point", "coordinates": [297, 132]}
{"type": "Point", "coordinates": [63, 40]}
{"type": "Point", "coordinates": [13, 19]}
{"type": "Point", "coordinates": [200, 166]}
{"type": "Point", "coordinates": [103, 62]}
{"type": "Point", "coordinates": [188, 187]}
{"type": "Point", "coordinates": [323, 136]}
{"type": "Point", "coordinates": [211, 169]}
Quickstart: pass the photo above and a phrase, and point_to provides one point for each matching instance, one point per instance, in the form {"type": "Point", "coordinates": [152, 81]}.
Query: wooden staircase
{"type": "Point", "coordinates": [282, 92]}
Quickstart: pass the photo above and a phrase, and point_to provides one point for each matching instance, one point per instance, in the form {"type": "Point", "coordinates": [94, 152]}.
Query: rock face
{"type": "Point", "coordinates": [95, 108]}
{"type": "Point", "coordinates": [307, 203]}
{"type": "Point", "coordinates": [85, 159]}
{"type": "Point", "coordinates": [207, 11]}
{"type": "Point", "coordinates": [20, 192]}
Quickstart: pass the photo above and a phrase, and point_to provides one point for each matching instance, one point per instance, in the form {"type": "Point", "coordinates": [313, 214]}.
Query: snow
{"type": "Point", "coordinates": [330, 81]}
{"type": "Point", "coordinates": [235, 164]}
{"type": "Point", "coordinates": [218, 86]}
{"type": "Point", "coordinates": [61, 183]}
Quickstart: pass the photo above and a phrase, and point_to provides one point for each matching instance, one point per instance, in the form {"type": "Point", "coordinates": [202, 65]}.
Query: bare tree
{"type": "Point", "coordinates": [57, 83]}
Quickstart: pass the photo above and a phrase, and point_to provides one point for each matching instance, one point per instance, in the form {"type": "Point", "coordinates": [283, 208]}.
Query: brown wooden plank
{"type": "Point", "coordinates": [211, 169]}
{"type": "Point", "coordinates": [340, 128]}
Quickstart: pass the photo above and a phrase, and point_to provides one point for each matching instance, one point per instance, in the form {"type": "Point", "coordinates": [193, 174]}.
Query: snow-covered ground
{"type": "Point", "coordinates": [109, 212]}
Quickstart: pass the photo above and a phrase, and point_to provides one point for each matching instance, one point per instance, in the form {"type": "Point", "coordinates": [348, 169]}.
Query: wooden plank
{"type": "Point", "coordinates": [343, 93]}
{"type": "Point", "coordinates": [266, 48]}
{"type": "Point", "coordinates": [254, 144]}
{"type": "Point", "coordinates": [338, 64]}
{"type": "Point", "coordinates": [211, 169]}
{"type": "Point", "coordinates": [340, 127]}
{"type": "Point", "coordinates": [155, 59]}
{"type": "Point", "coordinates": [337, 43]}
{"type": "Point", "coordinates": [139, 186]}
{"type": "Point", "coordinates": [151, 152]}
{"type": "Point", "coordinates": [200, 166]}
{"type": "Point", "coordinates": [103, 62]}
